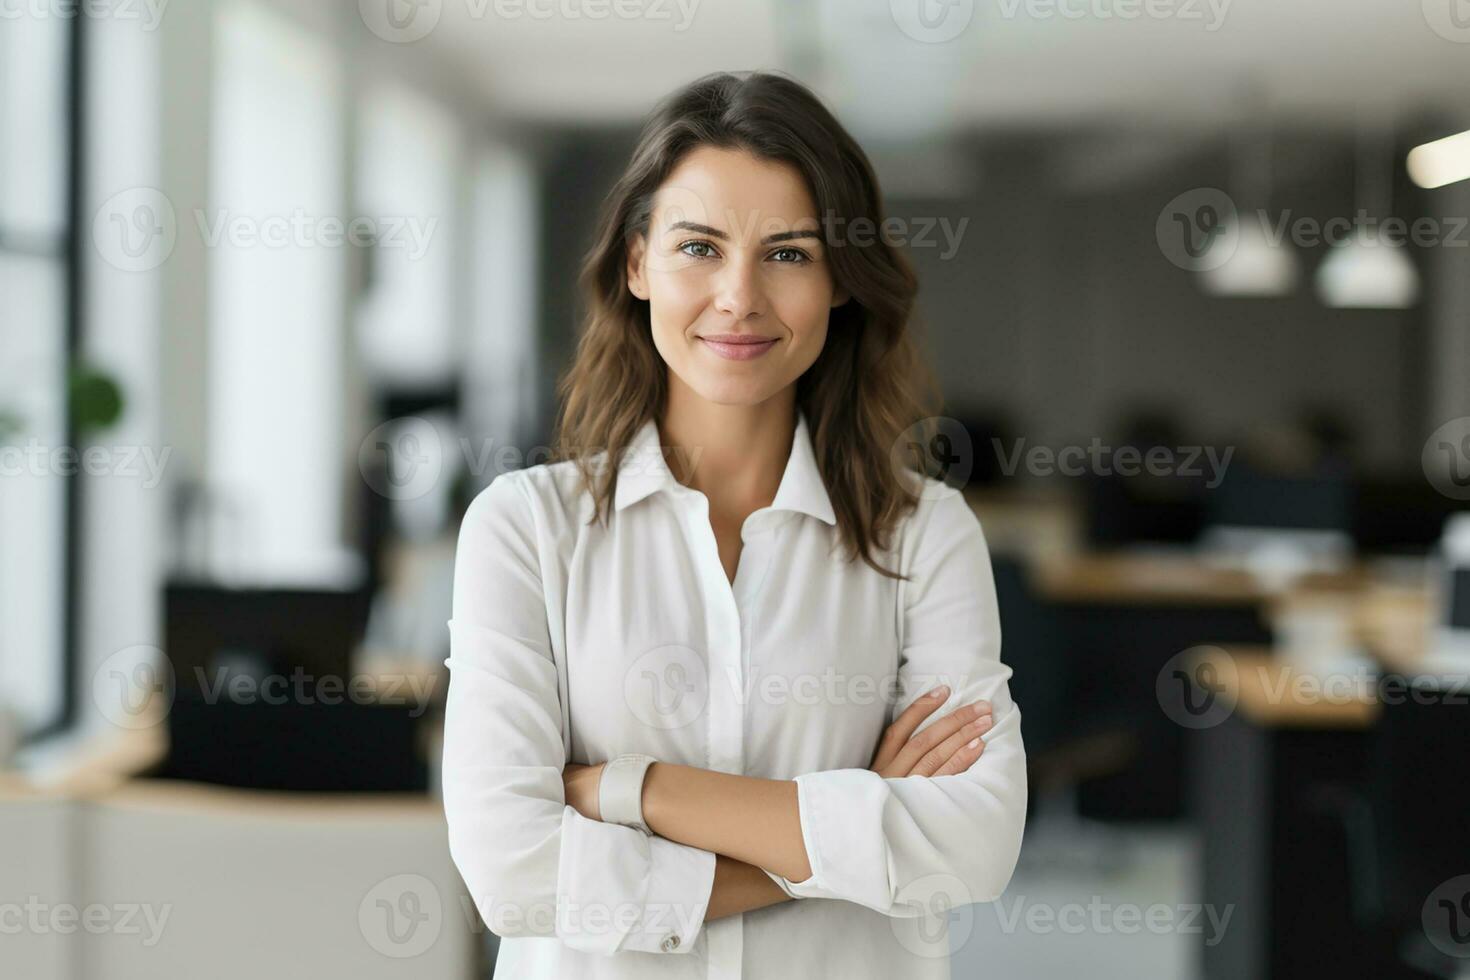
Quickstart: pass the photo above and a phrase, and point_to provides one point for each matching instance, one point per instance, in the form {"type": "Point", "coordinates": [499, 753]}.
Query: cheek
{"type": "Point", "coordinates": [675, 300]}
{"type": "Point", "coordinates": [805, 312]}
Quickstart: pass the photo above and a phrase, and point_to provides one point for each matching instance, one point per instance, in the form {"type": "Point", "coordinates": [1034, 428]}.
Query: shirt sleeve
{"type": "Point", "coordinates": [534, 866]}
{"type": "Point", "coordinates": [902, 845]}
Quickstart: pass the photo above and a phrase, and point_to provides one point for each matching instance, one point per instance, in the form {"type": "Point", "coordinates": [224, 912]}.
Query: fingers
{"type": "Point", "coordinates": [958, 752]}
{"type": "Point", "coordinates": [902, 729]}
{"type": "Point", "coordinates": [927, 748]}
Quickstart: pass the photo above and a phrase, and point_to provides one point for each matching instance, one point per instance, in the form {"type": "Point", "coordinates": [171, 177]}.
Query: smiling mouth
{"type": "Point", "coordinates": [738, 346]}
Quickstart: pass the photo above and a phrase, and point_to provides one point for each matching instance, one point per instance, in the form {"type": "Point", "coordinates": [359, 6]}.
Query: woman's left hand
{"type": "Point", "coordinates": [581, 783]}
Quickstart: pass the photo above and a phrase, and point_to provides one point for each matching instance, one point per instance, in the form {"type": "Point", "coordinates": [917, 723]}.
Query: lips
{"type": "Point", "coordinates": [738, 346]}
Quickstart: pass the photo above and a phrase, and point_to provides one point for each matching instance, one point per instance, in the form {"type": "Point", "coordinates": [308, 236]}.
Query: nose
{"type": "Point", "coordinates": [739, 292]}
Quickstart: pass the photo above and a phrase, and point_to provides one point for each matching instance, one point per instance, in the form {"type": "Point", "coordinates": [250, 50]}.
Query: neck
{"type": "Point", "coordinates": [734, 454]}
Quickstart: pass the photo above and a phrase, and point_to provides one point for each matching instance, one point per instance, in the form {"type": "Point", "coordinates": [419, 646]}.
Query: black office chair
{"type": "Point", "coordinates": [1065, 744]}
{"type": "Point", "coordinates": [1407, 836]}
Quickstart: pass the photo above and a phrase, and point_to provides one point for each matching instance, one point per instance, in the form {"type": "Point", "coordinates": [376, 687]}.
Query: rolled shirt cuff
{"type": "Point", "coordinates": [618, 889]}
{"type": "Point", "coordinates": [842, 828]}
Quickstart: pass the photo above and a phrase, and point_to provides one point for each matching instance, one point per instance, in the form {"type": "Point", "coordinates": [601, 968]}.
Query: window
{"type": "Point", "coordinates": [408, 172]}
{"type": "Point", "coordinates": [37, 335]}
{"type": "Point", "coordinates": [277, 287]}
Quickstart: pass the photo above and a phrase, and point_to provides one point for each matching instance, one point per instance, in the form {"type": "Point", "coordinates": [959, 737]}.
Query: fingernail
{"type": "Point", "coordinates": [940, 691]}
{"type": "Point", "coordinates": [973, 742]}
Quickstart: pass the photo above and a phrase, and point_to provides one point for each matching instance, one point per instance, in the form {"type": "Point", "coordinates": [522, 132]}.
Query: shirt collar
{"type": "Point", "coordinates": [644, 471]}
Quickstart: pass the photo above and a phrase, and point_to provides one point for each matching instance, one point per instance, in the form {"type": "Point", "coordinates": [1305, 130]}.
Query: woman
{"type": "Point", "coordinates": [720, 676]}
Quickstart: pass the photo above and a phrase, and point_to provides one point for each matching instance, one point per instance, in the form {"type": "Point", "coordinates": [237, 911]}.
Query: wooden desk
{"type": "Point", "coordinates": [1153, 579]}
{"type": "Point", "coordinates": [1266, 785]}
{"type": "Point", "coordinates": [117, 760]}
{"type": "Point", "coordinates": [1270, 693]}
{"type": "Point", "coordinates": [1394, 622]}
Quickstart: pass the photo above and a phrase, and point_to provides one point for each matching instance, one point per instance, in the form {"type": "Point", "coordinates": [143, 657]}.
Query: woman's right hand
{"type": "Point", "coordinates": [943, 748]}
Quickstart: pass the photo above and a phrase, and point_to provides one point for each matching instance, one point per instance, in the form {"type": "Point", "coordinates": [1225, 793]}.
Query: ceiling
{"type": "Point", "coordinates": [1025, 63]}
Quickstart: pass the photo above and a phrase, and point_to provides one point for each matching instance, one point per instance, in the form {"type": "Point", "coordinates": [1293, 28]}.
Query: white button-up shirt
{"type": "Point", "coordinates": [575, 642]}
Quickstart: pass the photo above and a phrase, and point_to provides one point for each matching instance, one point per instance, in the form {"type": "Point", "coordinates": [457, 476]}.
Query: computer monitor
{"type": "Point", "coordinates": [1248, 498]}
{"type": "Point", "coordinates": [262, 700]}
{"type": "Point", "coordinates": [1453, 632]}
{"type": "Point", "coordinates": [212, 630]}
{"type": "Point", "coordinates": [1277, 526]}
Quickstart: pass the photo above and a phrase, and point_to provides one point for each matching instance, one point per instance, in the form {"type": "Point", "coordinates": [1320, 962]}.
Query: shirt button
{"type": "Point", "coordinates": [670, 943]}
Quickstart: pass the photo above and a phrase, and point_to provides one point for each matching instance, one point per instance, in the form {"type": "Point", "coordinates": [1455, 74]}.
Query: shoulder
{"type": "Point", "coordinates": [528, 503]}
{"type": "Point", "coordinates": [941, 510]}
{"type": "Point", "coordinates": [941, 522]}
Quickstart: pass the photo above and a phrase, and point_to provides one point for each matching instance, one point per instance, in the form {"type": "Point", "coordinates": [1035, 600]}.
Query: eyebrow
{"type": "Point", "coordinates": [781, 236]}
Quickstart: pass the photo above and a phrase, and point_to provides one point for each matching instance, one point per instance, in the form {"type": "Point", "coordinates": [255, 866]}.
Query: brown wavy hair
{"type": "Point", "coordinates": [865, 388]}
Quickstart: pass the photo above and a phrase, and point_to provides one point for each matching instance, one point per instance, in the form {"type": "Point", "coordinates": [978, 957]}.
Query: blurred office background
{"type": "Point", "coordinates": [285, 283]}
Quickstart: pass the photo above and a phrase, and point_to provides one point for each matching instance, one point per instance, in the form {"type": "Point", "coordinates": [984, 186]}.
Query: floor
{"type": "Point", "coordinates": [1091, 901]}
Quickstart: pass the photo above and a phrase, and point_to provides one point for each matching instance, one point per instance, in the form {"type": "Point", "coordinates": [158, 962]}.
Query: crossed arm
{"type": "Point", "coordinates": [753, 824]}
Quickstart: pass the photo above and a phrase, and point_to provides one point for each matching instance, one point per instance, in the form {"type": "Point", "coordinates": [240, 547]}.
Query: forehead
{"type": "Point", "coordinates": [714, 186]}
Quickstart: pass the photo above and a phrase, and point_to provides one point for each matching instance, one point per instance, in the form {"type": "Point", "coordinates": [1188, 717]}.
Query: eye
{"type": "Point", "coordinates": [697, 244]}
{"type": "Point", "coordinates": [795, 256]}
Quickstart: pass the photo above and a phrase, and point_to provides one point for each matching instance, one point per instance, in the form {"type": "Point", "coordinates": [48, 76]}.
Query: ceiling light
{"type": "Point", "coordinates": [1256, 267]}
{"type": "Point", "coordinates": [1441, 162]}
{"type": "Point", "coordinates": [1369, 274]}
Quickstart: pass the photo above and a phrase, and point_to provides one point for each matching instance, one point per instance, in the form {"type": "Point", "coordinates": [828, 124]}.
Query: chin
{"type": "Point", "coordinates": [734, 391]}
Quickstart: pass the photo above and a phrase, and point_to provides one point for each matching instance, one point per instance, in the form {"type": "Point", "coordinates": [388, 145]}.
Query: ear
{"type": "Point", "coordinates": [637, 284]}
